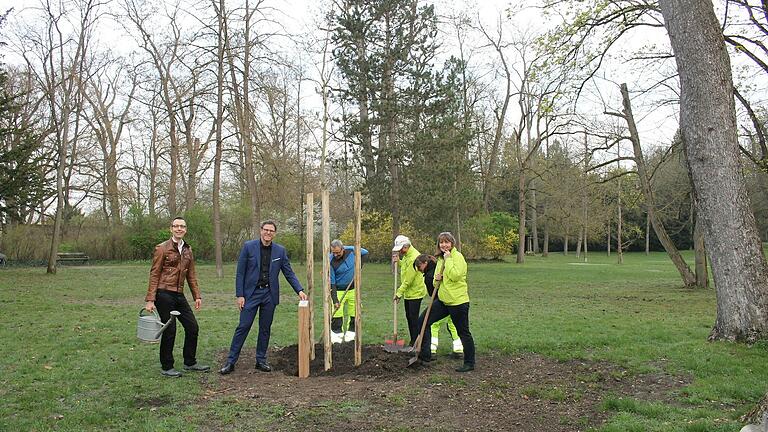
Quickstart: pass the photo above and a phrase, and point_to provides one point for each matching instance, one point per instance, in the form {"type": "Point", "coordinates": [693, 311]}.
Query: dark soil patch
{"type": "Point", "coordinates": [523, 392]}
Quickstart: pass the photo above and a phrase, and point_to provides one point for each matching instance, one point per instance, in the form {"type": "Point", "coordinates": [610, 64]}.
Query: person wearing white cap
{"type": "Point", "coordinates": [412, 288]}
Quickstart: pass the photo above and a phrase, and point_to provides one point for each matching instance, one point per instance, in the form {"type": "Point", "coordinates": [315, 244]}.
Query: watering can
{"type": "Point", "coordinates": [150, 328]}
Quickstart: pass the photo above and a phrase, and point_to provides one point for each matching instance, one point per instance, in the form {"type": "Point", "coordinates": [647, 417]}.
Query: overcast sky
{"type": "Point", "coordinates": [300, 16]}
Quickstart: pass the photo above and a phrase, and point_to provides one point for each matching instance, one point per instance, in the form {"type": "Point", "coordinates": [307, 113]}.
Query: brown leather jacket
{"type": "Point", "coordinates": [170, 268]}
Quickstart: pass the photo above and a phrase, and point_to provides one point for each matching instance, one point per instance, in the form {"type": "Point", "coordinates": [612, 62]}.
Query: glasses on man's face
{"type": "Point", "coordinates": [268, 231]}
{"type": "Point", "coordinates": [178, 226]}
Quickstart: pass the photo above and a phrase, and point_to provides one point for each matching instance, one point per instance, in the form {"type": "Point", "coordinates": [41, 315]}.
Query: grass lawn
{"type": "Point", "coordinates": [70, 359]}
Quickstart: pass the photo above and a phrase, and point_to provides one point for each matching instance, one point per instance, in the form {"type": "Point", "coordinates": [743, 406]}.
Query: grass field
{"type": "Point", "coordinates": [70, 359]}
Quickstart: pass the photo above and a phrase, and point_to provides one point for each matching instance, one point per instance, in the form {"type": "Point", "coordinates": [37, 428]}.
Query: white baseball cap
{"type": "Point", "coordinates": [400, 241]}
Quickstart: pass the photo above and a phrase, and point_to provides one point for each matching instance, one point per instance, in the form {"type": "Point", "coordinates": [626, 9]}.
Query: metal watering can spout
{"type": "Point", "coordinates": [150, 328]}
{"type": "Point", "coordinates": [174, 314]}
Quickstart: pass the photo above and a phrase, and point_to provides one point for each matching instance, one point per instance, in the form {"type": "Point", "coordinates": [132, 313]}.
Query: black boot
{"type": "Point", "coordinates": [336, 324]}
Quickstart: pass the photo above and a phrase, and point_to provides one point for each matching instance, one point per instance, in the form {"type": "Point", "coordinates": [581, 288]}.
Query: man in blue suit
{"type": "Point", "coordinates": [258, 290]}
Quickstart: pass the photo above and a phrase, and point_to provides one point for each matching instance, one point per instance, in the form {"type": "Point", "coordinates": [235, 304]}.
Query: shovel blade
{"type": "Point", "coordinates": [391, 348]}
{"type": "Point", "coordinates": [393, 345]}
{"type": "Point", "coordinates": [413, 361]}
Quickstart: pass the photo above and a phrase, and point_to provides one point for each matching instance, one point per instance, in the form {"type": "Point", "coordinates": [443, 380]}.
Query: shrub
{"type": "Point", "coordinates": [293, 246]}
{"type": "Point", "coordinates": [144, 232]}
{"type": "Point", "coordinates": [200, 231]}
{"type": "Point", "coordinates": [376, 236]}
{"type": "Point", "coordinates": [490, 236]}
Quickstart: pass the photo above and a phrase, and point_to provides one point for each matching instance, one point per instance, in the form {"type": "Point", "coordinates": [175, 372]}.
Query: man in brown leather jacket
{"type": "Point", "coordinates": [172, 263]}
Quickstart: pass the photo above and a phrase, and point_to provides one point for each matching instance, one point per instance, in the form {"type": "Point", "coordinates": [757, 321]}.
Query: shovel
{"type": "Point", "coordinates": [336, 308]}
{"type": "Point", "coordinates": [417, 346]}
{"type": "Point", "coordinates": [394, 344]}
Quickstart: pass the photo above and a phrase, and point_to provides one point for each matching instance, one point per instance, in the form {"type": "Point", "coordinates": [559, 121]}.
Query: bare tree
{"type": "Point", "coordinates": [164, 58]}
{"type": "Point", "coordinates": [689, 279]}
{"type": "Point", "coordinates": [221, 21]}
{"type": "Point", "coordinates": [243, 117]}
{"type": "Point", "coordinates": [498, 44]}
{"type": "Point", "coordinates": [108, 119]}
{"type": "Point", "coordinates": [61, 60]}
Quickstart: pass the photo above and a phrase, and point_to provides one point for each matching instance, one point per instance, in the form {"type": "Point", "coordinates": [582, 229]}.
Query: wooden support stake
{"type": "Point", "coordinates": [310, 270]}
{"type": "Point", "coordinates": [326, 283]}
{"type": "Point", "coordinates": [304, 341]}
{"type": "Point", "coordinates": [358, 287]}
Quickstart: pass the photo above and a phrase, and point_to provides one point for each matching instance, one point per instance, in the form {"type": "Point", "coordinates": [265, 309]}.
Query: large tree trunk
{"type": "Point", "coordinates": [708, 126]}
{"type": "Point", "coordinates": [686, 274]}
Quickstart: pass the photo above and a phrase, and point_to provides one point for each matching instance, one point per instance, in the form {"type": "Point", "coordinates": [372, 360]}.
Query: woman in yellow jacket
{"type": "Point", "coordinates": [452, 300]}
{"type": "Point", "coordinates": [412, 288]}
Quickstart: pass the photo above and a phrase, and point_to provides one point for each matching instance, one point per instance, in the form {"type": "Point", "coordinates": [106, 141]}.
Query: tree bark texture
{"type": "Point", "coordinates": [708, 127]}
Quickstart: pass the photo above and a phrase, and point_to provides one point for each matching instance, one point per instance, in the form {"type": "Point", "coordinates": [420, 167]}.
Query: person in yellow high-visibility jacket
{"type": "Point", "coordinates": [452, 300]}
{"type": "Point", "coordinates": [427, 265]}
{"type": "Point", "coordinates": [412, 288]}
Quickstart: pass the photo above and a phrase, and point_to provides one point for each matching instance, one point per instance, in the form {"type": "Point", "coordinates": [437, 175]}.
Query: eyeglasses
{"type": "Point", "coordinates": [178, 226]}
{"type": "Point", "coordinates": [267, 230]}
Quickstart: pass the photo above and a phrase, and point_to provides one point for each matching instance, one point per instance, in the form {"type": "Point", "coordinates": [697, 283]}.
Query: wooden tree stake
{"type": "Point", "coordinates": [310, 270]}
{"type": "Point", "coordinates": [304, 341]}
{"type": "Point", "coordinates": [326, 283]}
{"type": "Point", "coordinates": [358, 287]}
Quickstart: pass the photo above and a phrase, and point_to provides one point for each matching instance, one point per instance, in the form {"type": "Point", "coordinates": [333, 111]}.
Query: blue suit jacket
{"type": "Point", "coordinates": [249, 269]}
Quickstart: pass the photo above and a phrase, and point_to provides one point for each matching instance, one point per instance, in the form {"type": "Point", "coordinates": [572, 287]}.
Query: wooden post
{"type": "Point", "coordinates": [304, 341]}
{"type": "Point", "coordinates": [326, 283]}
{"type": "Point", "coordinates": [310, 270]}
{"type": "Point", "coordinates": [358, 287]}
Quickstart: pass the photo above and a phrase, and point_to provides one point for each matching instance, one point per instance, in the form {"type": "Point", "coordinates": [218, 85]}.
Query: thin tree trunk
{"type": "Point", "coordinates": [647, 232]}
{"type": "Point", "coordinates": [619, 217]}
{"type": "Point", "coordinates": [688, 277]}
{"type": "Point", "coordinates": [521, 225]}
{"type": "Point", "coordinates": [534, 218]}
{"type": "Point", "coordinates": [578, 242]}
{"type": "Point", "coordinates": [217, 240]}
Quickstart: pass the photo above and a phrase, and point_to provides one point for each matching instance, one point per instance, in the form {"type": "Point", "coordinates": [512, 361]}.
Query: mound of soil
{"type": "Point", "coordinates": [376, 363]}
{"type": "Point", "coordinates": [523, 392]}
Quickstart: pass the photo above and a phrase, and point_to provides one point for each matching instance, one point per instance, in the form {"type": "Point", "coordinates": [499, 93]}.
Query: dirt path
{"type": "Point", "coordinates": [521, 393]}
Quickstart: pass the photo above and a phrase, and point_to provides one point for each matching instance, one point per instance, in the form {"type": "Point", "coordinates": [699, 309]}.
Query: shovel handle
{"type": "Point", "coordinates": [417, 344]}
{"type": "Point", "coordinates": [394, 306]}
{"type": "Point", "coordinates": [336, 309]}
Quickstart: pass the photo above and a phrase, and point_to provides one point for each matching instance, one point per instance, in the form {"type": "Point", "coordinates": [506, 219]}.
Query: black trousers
{"type": "Point", "coordinates": [412, 317]}
{"type": "Point", "coordinates": [165, 302]}
{"type": "Point", "coordinates": [460, 316]}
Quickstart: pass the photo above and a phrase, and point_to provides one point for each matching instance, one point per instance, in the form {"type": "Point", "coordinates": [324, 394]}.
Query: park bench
{"type": "Point", "coordinates": [72, 257]}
